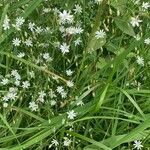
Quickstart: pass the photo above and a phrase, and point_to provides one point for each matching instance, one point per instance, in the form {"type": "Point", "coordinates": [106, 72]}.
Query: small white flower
{"type": "Point", "coordinates": [70, 84]}
{"type": "Point", "coordinates": [38, 30]}
{"type": "Point", "coordinates": [67, 141]}
{"type": "Point", "coordinates": [55, 142]}
{"type": "Point", "coordinates": [25, 84]}
{"type": "Point", "coordinates": [60, 89]}
{"type": "Point", "coordinates": [64, 48]}
{"type": "Point", "coordinates": [69, 72]}
{"type": "Point", "coordinates": [33, 106]}
{"type": "Point", "coordinates": [28, 42]}
{"type": "Point", "coordinates": [136, 2]}
{"type": "Point", "coordinates": [53, 102]}
{"type": "Point", "coordinates": [6, 23]}
{"type": "Point", "coordinates": [46, 10]}
{"type": "Point", "coordinates": [100, 34]}
{"type": "Point", "coordinates": [78, 30]}
{"type": "Point", "coordinates": [63, 94]}
{"type": "Point", "coordinates": [32, 74]}
{"type": "Point", "coordinates": [42, 94]}
{"type": "Point", "coordinates": [21, 55]}
{"type": "Point", "coordinates": [135, 21]}
{"type": "Point", "coordinates": [31, 26]}
{"type": "Point", "coordinates": [71, 114]}
{"type": "Point", "coordinates": [140, 60]}
{"type": "Point", "coordinates": [138, 145]}
{"type": "Point", "coordinates": [65, 17]}
{"type": "Point", "coordinates": [47, 57]}
{"type": "Point", "coordinates": [77, 41]}
{"type": "Point", "coordinates": [17, 82]}
{"type": "Point", "coordinates": [147, 41]}
{"type": "Point", "coordinates": [19, 23]}
{"type": "Point", "coordinates": [137, 37]}
{"type": "Point", "coordinates": [78, 9]}
{"type": "Point", "coordinates": [80, 103]}
{"type": "Point", "coordinates": [16, 42]}
{"type": "Point", "coordinates": [52, 94]}
{"type": "Point", "coordinates": [98, 1]}
{"type": "Point", "coordinates": [15, 74]}
{"type": "Point", "coordinates": [5, 104]}
{"type": "Point", "coordinates": [145, 5]}
{"type": "Point", "coordinates": [4, 81]}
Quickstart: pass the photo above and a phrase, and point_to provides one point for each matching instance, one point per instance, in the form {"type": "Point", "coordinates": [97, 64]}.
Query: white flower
{"type": "Point", "coordinates": [63, 94]}
{"type": "Point", "coordinates": [17, 82]}
{"type": "Point", "coordinates": [19, 22]}
{"type": "Point", "coordinates": [137, 37]}
{"type": "Point", "coordinates": [33, 106]}
{"type": "Point", "coordinates": [138, 145]}
{"type": "Point", "coordinates": [54, 142]}
{"type": "Point", "coordinates": [69, 72]}
{"type": "Point", "coordinates": [71, 114]}
{"type": "Point", "coordinates": [46, 10]}
{"type": "Point", "coordinates": [78, 30]}
{"type": "Point", "coordinates": [4, 81]}
{"type": "Point", "coordinates": [145, 5]}
{"type": "Point", "coordinates": [52, 94]}
{"type": "Point", "coordinates": [100, 34]}
{"type": "Point", "coordinates": [70, 84]}
{"type": "Point", "coordinates": [67, 141]}
{"type": "Point", "coordinates": [147, 41]}
{"type": "Point", "coordinates": [78, 9]}
{"type": "Point", "coordinates": [16, 42]}
{"type": "Point", "coordinates": [53, 102]}
{"type": "Point", "coordinates": [47, 57]}
{"type": "Point", "coordinates": [135, 21]}
{"type": "Point", "coordinates": [6, 23]}
{"type": "Point", "coordinates": [80, 103]}
{"type": "Point", "coordinates": [32, 74]}
{"type": "Point", "coordinates": [136, 2]}
{"type": "Point", "coordinates": [38, 30]}
{"type": "Point", "coordinates": [64, 48]}
{"type": "Point", "coordinates": [5, 104]}
{"type": "Point", "coordinates": [60, 89]}
{"type": "Point", "coordinates": [25, 84]}
{"type": "Point", "coordinates": [28, 42]}
{"type": "Point", "coordinates": [11, 95]}
{"type": "Point", "coordinates": [31, 26]}
{"type": "Point", "coordinates": [21, 55]}
{"type": "Point", "coordinates": [98, 1]}
{"type": "Point", "coordinates": [65, 17]}
{"type": "Point", "coordinates": [42, 94]}
{"type": "Point", "coordinates": [77, 41]}
{"type": "Point", "coordinates": [16, 74]}
{"type": "Point", "coordinates": [140, 60]}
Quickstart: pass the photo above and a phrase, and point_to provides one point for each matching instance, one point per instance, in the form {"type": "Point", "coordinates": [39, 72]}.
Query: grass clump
{"type": "Point", "coordinates": [74, 74]}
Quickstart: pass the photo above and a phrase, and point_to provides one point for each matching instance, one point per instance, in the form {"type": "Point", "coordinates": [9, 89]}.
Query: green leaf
{"type": "Point", "coordinates": [119, 4]}
{"type": "Point", "coordinates": [101, 100]}
{"type": "Point", "coordinates": [101, 63]}
{"type": "Point", "coordinates": [133, 102]}
{"type": "Point", "coordinates": [124, 26]}
{"type": "Point", "coordinates": [133, 134]}
{"type": "Point", "coordinates": [95, 44]}
{"type": "Point", "coordinates": [98, 144]}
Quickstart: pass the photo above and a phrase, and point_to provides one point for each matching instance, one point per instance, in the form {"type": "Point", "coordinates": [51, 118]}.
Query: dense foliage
{"type": "Point", "coordinates": [74, 74]}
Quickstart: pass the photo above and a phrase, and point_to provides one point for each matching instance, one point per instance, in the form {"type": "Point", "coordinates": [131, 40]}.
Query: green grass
{"type": "Point", "coordinates": [110, 95]}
